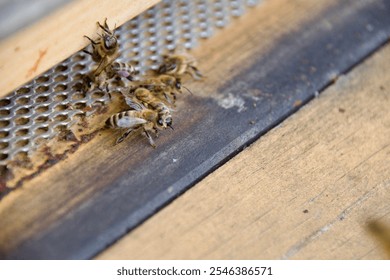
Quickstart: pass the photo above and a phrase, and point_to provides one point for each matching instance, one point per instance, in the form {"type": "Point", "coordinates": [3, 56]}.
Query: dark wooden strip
{"type": "Point", "coordinates": [135, 182]}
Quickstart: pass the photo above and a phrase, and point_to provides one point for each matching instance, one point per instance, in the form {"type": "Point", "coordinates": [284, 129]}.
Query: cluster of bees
{"type": "Point", "coordinates": [150, 98]}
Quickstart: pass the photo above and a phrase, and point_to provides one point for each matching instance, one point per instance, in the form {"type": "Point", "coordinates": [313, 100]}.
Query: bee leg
{"type": "Point", "coordinates": [167, 98]}
{"type": "Point", "coordinates": [87, 52]}
{"type": "Point", "coordinates": [151, 142]}
{"type": "Point", "coordinates": [108, 92]}
{"type": "Point", "coordinates": [195, 73]}
{"type": "Point", "coordinates": [101, 67]}
{"type": "Point", "coordinates": [124, 136]}
{"type": "Point", "coordinates": [92, 41]}
{"type": "Point", "coordinates": [155, 131]}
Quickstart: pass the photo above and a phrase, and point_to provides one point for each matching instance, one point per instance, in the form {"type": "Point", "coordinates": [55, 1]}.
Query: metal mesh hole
{"type": "Point", "coordinates": [4, 112]}
{"type": "Point", "coordinates": [21, 132]}
{"type": "Point", "coordinates": [41, 119]}
{"type": "Point", "coordinates": [22, 121]}
{"type": "Point", "coordinates": [41, 89]}
{"type": "Point", "coordinates": [21, 143]}
{"type": "Point", "coordinates": [60, 118]}
{"type": "Point", "coordinates": [3, 156]}
{"type": "Point", "coordinates": [3, 145]}
{"type": "Point", "coordinates": [60, 87]}
{"type": "Point", "coordinates": [23, 90]}
{"type": "Point", "coordinates": [80, 106]}
{"type": "Point", "coordinates": [60, 97]}
{"type": "Point", "coordinates": [78, 96]}
{"type": "Point", "coordinates": [79, 57]}
{"type": "Point", "coordinates": [42, 79]}
{"type": "Point", "coordinates": [61, 68]}
{"type": "Point", "coordinates": [41, 109]}
{"type": "Point", "coordinates": [60, 78]}
{"type": "Point", "coordinates": [78, 77]}
{"type": "Point", "coordinates": [4, 134]}
{"type": "Point", "coordinates": [22, 111]}
{"type": "Point", "coordinates": [41, 130]}
{"type": "Point", "coordinates": [4, 123]}
{"type": "Point", "coordinates": [61, 107]}
{"type": "Point", "coordinates": [4, 102]}
{"type": "Point", "coordinates": [41, 99]}
{"type": "Point", "coordinates": [23, 100]}
{"type": "Point", "coordinates": [79, 67]}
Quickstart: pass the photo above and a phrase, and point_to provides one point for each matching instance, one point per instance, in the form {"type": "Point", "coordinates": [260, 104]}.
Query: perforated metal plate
{"type": "Point", "coordinates": [52, 102]}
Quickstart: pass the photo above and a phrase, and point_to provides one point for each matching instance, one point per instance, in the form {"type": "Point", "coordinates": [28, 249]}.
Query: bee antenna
{"type": "Point", "coordinates": [187, 89]}
{"type": "Point", "coordinates": [170, 126]}
{"type": "Point", "coordinates": [92, 41]}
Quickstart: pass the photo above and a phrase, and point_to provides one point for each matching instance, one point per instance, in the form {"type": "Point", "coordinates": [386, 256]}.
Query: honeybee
{"type": "Point", "coordinates": [114, 71]}
{"type": "Point", "coordinates": [122, 70]}
{"type": "Point", "coordinates": [178, 65]}
{"type": "Point", "coordinates": [138, 116]}
{"type": "Point", "coordinates": [163, 86]}
{"type": "Point", "coordinates": [107, 44]}
{"type": "Point", "coordinates": [148, 99]}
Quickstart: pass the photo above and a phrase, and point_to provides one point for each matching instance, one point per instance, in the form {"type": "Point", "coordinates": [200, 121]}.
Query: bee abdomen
{"type": "Point", "coordinates": [110, 122]}
{"type": "Point", "coordinates": [113, 120]}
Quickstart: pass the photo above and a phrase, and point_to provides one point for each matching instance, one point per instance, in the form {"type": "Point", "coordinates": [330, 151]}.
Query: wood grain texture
{"type": "Point", "coordinates": [35, 49]}
{"type": "Point", "coordinates": [303, 191]}
{"type": "Point", "coordinates": [253, 81]}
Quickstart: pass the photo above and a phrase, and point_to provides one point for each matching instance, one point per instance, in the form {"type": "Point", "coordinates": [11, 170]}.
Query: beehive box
{"type": "Point", "coordinates": [292, 194]}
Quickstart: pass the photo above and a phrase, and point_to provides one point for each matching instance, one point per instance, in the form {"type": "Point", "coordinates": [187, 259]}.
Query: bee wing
{"type": "Point", "coordinates": [166, 67]}
{"type": "Point", "coordinates": [129, 122]}
{"type": "Point", "coordinates": [133, 104]}
{"type": "Point", "coordinates": [123, 73]}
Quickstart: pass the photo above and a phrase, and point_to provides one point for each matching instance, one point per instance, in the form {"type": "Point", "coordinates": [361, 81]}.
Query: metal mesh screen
{"type": "Point", "coordinates": [52, 101]}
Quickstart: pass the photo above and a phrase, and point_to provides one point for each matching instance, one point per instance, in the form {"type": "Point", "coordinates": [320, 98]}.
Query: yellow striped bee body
{"type": "Point", "coordinates": [164, 87]}
{"type": "Point", "coordinates": [114, 72]}
{"type": "Point", "coordinates": [136, 118]}
{"type": "Point", "coordinates": [121, 70]}
{"type": "Point", "coordinates": [147, 98]}
{"type": "Point", "coordinates": [178, 65]}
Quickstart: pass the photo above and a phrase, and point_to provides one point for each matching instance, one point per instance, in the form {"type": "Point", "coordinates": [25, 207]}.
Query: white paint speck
{"type": "Point", "coordinates": [174, 159]}
{"type": "Point", "coordinates": [369, 28]}
{"type": "Point", "coordinates": [230, 100]}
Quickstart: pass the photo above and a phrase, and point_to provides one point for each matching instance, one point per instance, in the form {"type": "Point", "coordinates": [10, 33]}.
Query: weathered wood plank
{"type": "Point", "coordinates": [254, 80]}
{"type": "Point", "coordinates": [35, 49]}
{"type": "Point", "coordinates": [305, 190]}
